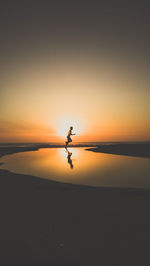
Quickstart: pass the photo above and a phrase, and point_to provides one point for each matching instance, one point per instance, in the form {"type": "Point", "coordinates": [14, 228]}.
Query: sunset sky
{"type": "Point", "coordinates": [85, 65]}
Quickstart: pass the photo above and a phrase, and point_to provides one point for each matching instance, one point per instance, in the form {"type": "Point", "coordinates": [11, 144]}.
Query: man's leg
{"type": "Point", "coordinates": [66, 144]}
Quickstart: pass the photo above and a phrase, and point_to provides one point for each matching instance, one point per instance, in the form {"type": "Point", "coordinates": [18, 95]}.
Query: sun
{"type": "Point", "coordinates": [63, 126]}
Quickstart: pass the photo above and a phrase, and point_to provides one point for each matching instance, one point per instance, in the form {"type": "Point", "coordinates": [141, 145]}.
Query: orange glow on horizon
{"type": "Point", "coordinates": [49, 97]}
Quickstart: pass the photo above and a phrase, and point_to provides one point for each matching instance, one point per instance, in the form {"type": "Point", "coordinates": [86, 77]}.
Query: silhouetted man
{"type": "Point", "coordinates": [68, 136]}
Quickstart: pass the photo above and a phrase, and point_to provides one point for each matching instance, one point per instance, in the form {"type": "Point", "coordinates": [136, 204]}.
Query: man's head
{"type": "Point", "coordinates": [71, 128]}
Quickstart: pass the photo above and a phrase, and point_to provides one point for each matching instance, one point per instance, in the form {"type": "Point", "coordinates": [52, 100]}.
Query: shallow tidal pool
{"type": "Point", "coordinates": [79, 166]}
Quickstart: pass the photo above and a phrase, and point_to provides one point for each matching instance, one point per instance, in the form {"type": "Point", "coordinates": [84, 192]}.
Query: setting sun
{"type": "Point", "coordinates": [63, 126]}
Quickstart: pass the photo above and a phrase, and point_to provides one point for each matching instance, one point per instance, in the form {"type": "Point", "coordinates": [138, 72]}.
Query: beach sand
{"type": "Point", "coordinates": [48, 223]}
{"type": "Point", "coordinates": [137, 150]}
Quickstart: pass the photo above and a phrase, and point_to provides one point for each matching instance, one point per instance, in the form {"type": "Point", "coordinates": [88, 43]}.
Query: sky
{"type": "Point", "coordinates": [84, 64]}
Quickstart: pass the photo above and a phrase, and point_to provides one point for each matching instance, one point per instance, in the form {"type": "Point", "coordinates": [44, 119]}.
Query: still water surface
{"type": "Point", "coordinates": [80, 166]}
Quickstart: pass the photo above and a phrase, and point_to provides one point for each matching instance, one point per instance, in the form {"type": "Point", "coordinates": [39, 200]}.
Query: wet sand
{"type": "Point", "coordinates": [137, 150]}
{"type": "Point", "coordinates": [48, 223]}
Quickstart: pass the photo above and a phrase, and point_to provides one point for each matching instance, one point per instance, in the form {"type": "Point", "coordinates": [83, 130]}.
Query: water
{"type": "Point", "coordinates": [80, 166]}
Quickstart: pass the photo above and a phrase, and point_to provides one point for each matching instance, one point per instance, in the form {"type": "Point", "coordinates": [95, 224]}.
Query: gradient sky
{"type": "Point", "coordinates": [85, 64]}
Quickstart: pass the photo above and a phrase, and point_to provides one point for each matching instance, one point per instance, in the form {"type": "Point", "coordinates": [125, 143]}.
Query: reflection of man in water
{"type": "Point", "coordinates": [68, 136]}
{"type": "Point", "coordinates": [69, 159]}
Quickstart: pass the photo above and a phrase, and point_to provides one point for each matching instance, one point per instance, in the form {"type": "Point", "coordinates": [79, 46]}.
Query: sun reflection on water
{"type": "Point", "coordinates": [64, 153]}
{"type": "Point", "coordinates": [80, 166]}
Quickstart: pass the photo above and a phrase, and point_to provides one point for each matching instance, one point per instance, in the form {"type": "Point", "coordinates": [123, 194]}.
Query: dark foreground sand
{"type": "Point", "coordinates": [48, 223]}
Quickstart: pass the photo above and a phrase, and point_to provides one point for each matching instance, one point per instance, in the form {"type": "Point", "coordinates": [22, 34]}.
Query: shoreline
{"type": "Point", "coordinates": [110, 149]}
{"type": "Point", "coordinates": [15, 149]}
{"type": "Point", "coordinates": [45, 222]}
{"type": "Point", "coordinates": [135, 150]}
